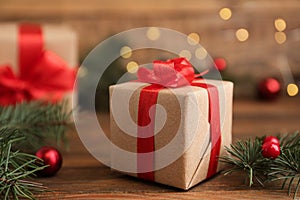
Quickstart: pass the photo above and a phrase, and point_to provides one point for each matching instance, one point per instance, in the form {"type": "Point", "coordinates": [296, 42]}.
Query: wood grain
{"type": "Point", "coordinates": [83, 177]}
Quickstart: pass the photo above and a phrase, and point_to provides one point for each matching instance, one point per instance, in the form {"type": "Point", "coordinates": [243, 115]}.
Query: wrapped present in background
{"type": "Point", "coordinates": [37, 62]}
{"type": "Point", "coordinates": [178, 145]}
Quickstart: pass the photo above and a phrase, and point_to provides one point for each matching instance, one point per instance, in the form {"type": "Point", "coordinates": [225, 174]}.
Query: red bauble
{"type": "Point", "coordinates": [269, 89]}
{"type": "Point", "coordinates": [52, 158]}
{"type": "Point", "coordinates": [220, 64]}
{"type": "Point", "coordinates": [270, 150]}
{"type": "Point", "coordinates": [271, 139]}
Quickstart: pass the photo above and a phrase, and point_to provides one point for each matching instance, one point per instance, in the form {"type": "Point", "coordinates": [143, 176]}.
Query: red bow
{"type": "Point", "coordinates": [176, 72]}
{"type": "Point", "coordinates": [48, 78]}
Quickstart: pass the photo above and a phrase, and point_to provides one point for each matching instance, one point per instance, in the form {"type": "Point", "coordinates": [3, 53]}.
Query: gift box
{"type": "Point", "coordinates": [172, 136]}
{"type": "Point", "coordinates": [37, 62]}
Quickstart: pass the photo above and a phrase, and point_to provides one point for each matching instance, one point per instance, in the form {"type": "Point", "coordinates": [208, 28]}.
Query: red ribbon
{"type": "Point", "coordinates": [42, 74]}
{"type": "Point", "coordinates": [177, 72]}
{"type": "Point", "coordinates": [215, 129]}
{"type": "Point", "coordinates": [148, 98]}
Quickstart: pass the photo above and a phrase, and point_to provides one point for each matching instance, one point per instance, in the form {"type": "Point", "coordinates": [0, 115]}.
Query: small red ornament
{"type": "Point", "coordinates": [220, 64]}
{"type": "Point", "coordinates": [271, 139]}
{"type": "Point", "coordinates": [51, 157]}
{"type": "Point", "coordinates": [270, 150]}
{"type": "Point", "coordinates": [269, 89]}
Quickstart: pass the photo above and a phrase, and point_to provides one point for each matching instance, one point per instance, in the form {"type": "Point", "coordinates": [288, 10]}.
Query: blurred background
{"type": "Point", "coordinates": [250, 40]}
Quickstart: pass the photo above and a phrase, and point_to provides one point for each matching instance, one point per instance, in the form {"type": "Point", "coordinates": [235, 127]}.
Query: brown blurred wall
{"type": "Point", "coordinates": [95, 20]}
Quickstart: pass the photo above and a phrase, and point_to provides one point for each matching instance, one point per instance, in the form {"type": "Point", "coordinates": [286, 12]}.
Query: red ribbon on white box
{"type": "Point", "coordinates": [43, 75]}
{"type": "Point", "coordinates": [174, 73]}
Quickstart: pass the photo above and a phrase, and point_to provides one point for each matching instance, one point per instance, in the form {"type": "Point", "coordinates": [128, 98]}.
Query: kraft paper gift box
{"type": "Point", "coordinates": [183, 151]}
{"type": "Point", "coordinates": [57, 39]}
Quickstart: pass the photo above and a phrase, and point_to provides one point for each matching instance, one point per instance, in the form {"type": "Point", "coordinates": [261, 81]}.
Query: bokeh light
{"type": "Point", "coordinates": [132, 67]}
{"type": "Point", "coordinates": [280, 24]}
{"type": "Point", "coordinates": [82, 72]}
{"type": "Point", "coordinates": [242, 34]}
{"type": "Point", "coordinates": [292, 89]}
{"type": "Point", "coordinates": [220, 64]}
{"type": "Point", "coordinates": [185, 53]}
{"type": "Point", "coordinates": [280, 37]}
{"type": "Point", "coordinates": [201, 53]}
{"type": "Point", "coordinates": [193, 38]}
{"type": "Point", "coordinates": [153, 33]}
{"type": "Point", "coordinates": [126, 52]}
{"type": "Point", "coordinates": [225, 13]}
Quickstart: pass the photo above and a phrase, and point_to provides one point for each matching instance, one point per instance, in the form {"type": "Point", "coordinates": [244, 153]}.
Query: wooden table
{"type": "Point", "coordinates": [83, 177]}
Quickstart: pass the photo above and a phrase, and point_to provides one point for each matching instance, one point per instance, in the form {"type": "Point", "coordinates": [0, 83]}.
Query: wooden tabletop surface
{"type": "Point", "coordinates": [83, 177]}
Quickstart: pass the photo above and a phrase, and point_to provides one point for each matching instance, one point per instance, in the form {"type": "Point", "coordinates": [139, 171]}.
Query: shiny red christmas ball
{"type": "Point", "coordinates": [270, 150]}
{"type": "Point", "coordinates": [52, 158]}
{"type": "Point", "coordinates": [220, 64]}
{"type": "Point", "coordinates": [269, 89]}
{"type": "Point", "coordinates": [271, 139]}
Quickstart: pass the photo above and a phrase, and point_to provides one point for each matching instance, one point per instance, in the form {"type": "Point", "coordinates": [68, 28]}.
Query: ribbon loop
{"type": "Point", "coordinates": [173, 73]}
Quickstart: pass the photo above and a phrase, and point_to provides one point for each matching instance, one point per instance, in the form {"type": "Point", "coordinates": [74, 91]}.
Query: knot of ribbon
{"type": "Point", "coordinates": [43, 75]}
{"type": "Point", "coordinates": [47, 79]}
{"type": "Point", "coordinates": [172, 73]}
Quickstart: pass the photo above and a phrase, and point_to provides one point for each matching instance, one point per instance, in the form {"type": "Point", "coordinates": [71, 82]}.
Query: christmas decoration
{"type": "Point", "coordinates": [269, 89]}
{"type": "Point", "coordinates": [179, 75]}
{"type": "Point", "coordinates": [270, 150]}
{"type": "Point", "coordinates": [23, 128]}
{"type": "Point", "coordinates": [16, 168]}
{"type": "Point", "coordinates": [40, 63]}
{"type": "Point", "coordinates": [272, 139]}
{"type": "Point", "coordinates": [37, 122]}
{"type": "Point", "coordinates": [248, 157]}
{"type": "Point", "coordinates": [220, 64]}
{"type": "Point", "coordinates": [51, 158]}
{"type": "Point", "coordinates": [270, 147]}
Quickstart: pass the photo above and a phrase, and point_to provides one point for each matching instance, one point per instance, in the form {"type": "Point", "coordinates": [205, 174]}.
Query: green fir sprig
{"type": "Point", "coordinates": [37, 122]}
{"type": "Point", "coordinates": [24, 128]}
{"type": "Point", "coordinates": [287, 166]}
{"type": "Point", "coordinates": [246, 156]}
{"type": "Point", "coordinates": [16, 169]}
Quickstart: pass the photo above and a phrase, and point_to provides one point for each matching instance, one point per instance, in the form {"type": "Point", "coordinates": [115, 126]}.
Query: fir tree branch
{"type": "Point", "coordinates": [287, 166]}
{"type": "Point", "coordinates": [289, 141]}
{"type": "Point", "coordinates": [246, 156]}
{"type": "Point", "coordinates": [37, 121]}
{"type": "Point", "coordinates": [27, 127]}
{"type": "Point", "coordinates": [15, 170]}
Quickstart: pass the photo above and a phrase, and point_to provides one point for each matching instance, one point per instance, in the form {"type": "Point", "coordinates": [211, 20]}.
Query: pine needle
{"type": "Point", "coordinates": [14, 175]}
{"type": "Point", "coordinates": [38, 122]}
{"type": "Point", "coordinates": [246, 156]}
{"type": "Point", "coordinates": [24, 128]}
{"type": "Point", "coordinates": [287, 166]}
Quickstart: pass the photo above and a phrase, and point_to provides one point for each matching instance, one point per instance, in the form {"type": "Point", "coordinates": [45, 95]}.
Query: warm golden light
{"type": "Point", "coordinates": [132, 67]}
{"type": "Point", "coordinates": [280, 24]}
{"type": "Point", "coordinates": [292, 89]}
{"type": "Point", "coordinates": [225, 13]}
{"type": "Point", "coordinates": [242, 34]}
{"type": "Point", "coordinates": [280, 37]}
{"type": "Point", "coordinates": [126, 52]}
{"type": "Point", "coordinates": [153, 33]}
{"type": "Point", "coordinates": [186, 54]}
{"type": "Point", "coordinates": [193, 38]}
{"type": "Point", "coordinates": [200, 53]}
{"type": "Point", "coordinates": [82, 72]}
